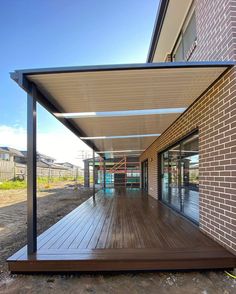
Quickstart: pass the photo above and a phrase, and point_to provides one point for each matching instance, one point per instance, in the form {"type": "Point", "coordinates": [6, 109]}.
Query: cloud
{"type": "Point", "coordinates": [14, 137]}
{"type": "Point", "coordinates": [63, 146]}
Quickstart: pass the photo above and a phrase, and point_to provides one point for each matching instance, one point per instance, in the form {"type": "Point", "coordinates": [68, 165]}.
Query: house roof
{"type": "Point", "coordinates": [45, 156]}
{"type": "Point", "coordinates": [39, 155]}
{"type": "Point", "coordinates": [120, 109]}
{"type": "Point", "coordinates": [43, 164]}
{"type": "Point", "coordinates": [3, 150]}
{"type": "Point", "coordinates": [67, 164]}
{"type": "Point", "coordinates": [12, 151]}
{"type": "Point", "coordinates": [169, 20]}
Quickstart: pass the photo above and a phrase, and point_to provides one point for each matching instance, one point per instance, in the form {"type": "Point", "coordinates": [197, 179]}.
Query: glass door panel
{"type": "Point", "coordinates": [174, 176]}
{"type": "Point", "coordinates": [180, 177]}
{"type": "Point", "coordinates": [165, 177]}
{"type": "Point", "coordinates": [190, 177]}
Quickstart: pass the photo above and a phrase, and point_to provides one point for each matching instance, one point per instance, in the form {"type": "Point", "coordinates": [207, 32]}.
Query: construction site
{"type": "Point", "coordinates": [115, 172]}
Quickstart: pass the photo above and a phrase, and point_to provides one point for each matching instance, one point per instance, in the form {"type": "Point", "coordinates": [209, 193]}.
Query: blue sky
{"type": "Point", "coordinates": [50, 33]}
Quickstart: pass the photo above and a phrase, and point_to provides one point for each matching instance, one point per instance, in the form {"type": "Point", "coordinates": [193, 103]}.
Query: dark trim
{"type": "Point", "coordinates": [94, 175]}
{"type": "Point", "coordinates": [159, 184]}
{"type": "Point", "coordinates": [157, 29]}
{"type": "Point", "coordinates": [31, 175]}
{"type": "Point", "coordinates": [104, 173]}
{"type": "Point", "coordinates": [175, 45]}
{"type": "Point", "coordinates": [179, 140]}
{"type": "Point", "coordinates": [18, 74]}
{"type": "Point", "coordinates": [142, 165]}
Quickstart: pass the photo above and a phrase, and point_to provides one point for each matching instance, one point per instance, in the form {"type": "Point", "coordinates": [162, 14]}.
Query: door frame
{"type": "Point", "coordinates": [159, 171]}
{"type": "Point", "coordinates": [142, 173]}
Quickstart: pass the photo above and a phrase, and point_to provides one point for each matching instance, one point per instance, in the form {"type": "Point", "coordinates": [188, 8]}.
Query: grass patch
{"type": "Point", "coordinates": [8, 185]}
{"type": "Point", "coordinates": [41, 182]}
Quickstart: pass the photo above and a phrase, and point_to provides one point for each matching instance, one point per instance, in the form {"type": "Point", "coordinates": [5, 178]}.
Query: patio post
{"type": "Point", "coordinates": [31, 174]}
{"type": "Point", "coordinates": [93, 174]}
{"type": "Point", "coordinates": [104, 173]}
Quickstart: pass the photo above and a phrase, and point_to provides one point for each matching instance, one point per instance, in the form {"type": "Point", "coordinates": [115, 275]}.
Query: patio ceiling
{"type": "Point", "coordinates": [121, 100]}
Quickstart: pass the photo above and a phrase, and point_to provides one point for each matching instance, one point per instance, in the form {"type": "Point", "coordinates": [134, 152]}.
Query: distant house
{"type": "Point", "coordinates": [44, 159]}
{"type": "Point", "coordinates": [67, 165]}
{"type": "Point", "coordinates": [4, 154]}
{"type": "Point", "coordinates": [13, 165]}
{"type": "Point", "coordinates": [11, 154]}
{"type": "Point", "coordinates": [71, 166]}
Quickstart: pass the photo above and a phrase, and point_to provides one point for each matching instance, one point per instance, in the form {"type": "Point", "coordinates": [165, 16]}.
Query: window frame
{"type": "Point", "coordinates": [159, 172]}
{"type": "Point", "coordinates": [144, 162]}
{"type": "Point", "coordinates": [180, 36]}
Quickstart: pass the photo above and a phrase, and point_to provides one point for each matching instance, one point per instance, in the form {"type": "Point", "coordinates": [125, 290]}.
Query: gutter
{"type": "Point", "coordinates": [157, 29]}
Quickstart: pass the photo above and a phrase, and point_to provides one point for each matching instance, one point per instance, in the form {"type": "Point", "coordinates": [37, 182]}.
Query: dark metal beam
{"type": "Point", "coordinates": [18, 75]}
{"type": "Point", "coordinates": [31, 174]}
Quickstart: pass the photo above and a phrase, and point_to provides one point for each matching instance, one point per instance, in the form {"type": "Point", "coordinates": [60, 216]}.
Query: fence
{"type": "Point", "coordinates": [10, 170]}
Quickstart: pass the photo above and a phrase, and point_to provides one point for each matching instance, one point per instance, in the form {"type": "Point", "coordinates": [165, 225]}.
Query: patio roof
{"type": "Point", "coordinates": [120, 108]}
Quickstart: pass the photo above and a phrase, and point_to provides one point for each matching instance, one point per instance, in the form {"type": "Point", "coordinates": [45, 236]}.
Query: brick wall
{"type": "Point", "coordinates": [216, 30]}
{"type": "Point", "coordinates": [214, 115]}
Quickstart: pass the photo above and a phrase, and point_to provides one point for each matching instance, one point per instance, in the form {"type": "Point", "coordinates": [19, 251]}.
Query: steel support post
{"type": "Point", "coordinates": [104, 174]}
{"type": "Point", "coordinates": [93, 174]}
{"type": "Point", "coordinates": [31, 175]}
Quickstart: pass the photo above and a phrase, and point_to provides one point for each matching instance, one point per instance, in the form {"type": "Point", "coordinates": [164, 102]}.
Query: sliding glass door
{"type": "Point", "coordinates": [180, 177]}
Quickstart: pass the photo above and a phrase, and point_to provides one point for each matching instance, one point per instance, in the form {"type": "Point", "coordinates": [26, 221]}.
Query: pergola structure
{"type": "Point", "coordinates": [117, 110]}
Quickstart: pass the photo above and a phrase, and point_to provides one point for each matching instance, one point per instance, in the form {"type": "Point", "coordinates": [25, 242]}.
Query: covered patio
{"type": "Point", "coordinates": [118, 111]}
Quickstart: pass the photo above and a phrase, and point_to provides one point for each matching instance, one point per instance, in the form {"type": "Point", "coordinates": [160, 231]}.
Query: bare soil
{"type": "Point", "coordinates": [53, 204]}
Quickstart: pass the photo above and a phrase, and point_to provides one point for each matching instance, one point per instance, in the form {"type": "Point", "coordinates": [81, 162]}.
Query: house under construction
{"type": "Point", "coordinates": [115, 172]}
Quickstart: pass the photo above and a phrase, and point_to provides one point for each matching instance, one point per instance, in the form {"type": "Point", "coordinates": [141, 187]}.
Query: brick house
{"type": "Point", "coordinates": [198, 30]}
{"type": "Point", "coordinates": [176, 113]}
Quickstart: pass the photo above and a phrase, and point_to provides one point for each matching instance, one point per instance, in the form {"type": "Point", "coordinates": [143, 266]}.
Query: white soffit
{"type": "Point", "coordinates": [121, 88]}
{"type": "Point", "coordinates": [173, 21]}
{"type": "Point", "coordinates": [128, 125]}
{"type": "Point", "coordinates": [134, 144]}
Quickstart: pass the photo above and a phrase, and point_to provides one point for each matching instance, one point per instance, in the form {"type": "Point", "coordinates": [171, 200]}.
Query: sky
{"type": "Point", "coordinates": [51, 33]}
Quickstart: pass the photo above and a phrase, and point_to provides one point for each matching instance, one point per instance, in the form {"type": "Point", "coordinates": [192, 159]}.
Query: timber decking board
{"type": "Point", "coordinates": [122, 229]}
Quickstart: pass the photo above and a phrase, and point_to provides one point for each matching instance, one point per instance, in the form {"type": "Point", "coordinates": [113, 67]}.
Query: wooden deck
{"type": "Point", "coordinates": [122, 230]}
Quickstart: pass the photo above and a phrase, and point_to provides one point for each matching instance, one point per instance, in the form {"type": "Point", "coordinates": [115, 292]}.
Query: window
{"type": "Point", "coordinates": [189, 37]}
{"type": "Point", "coordinates": [180, 177]}
{"type": "Point", "coordinates": [4, 156]}
{"type": "Point", "coordinates": [186, 41]}
{"type": "Point", "coordinates": [178, 55]}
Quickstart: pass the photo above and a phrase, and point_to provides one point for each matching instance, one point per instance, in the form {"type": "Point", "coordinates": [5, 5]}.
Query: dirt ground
{"type": "Point", "coordinates": [53, 204]}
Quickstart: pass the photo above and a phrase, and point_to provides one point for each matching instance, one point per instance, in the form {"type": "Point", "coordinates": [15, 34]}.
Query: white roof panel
{"type": "Point", "coordinates": [121, 88]}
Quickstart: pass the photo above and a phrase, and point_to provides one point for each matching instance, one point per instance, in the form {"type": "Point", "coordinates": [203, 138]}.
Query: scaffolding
{"type": "Point", "coordinates": [125, 172]}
